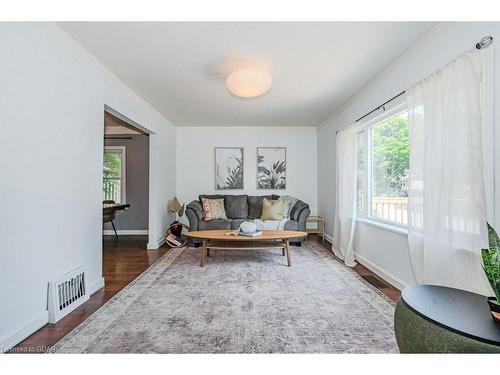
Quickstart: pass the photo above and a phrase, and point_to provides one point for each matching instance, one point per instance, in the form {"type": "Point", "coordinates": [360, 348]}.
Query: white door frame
{"type": "Point", "coordinates": [153, 240]}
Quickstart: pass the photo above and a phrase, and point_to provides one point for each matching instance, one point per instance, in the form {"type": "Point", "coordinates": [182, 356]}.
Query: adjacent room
{"type": "Point", "coordinates": [125, 178]}
{"type": "Point", "coordinates": [250, 187]}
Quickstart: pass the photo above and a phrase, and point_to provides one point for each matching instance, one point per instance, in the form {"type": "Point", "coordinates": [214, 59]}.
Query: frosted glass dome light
{"type": "Point", "coordinates": [249, 83]}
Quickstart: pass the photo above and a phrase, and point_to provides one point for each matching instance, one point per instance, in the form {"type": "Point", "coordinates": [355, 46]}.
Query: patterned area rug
{"type": "Point", "coordinates": [241, 302]}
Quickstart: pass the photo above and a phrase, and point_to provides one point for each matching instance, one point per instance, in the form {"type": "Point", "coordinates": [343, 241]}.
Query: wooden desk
{"type": "Point", "coordinates": [109, 212]}
{"type": "Point", "coordinates": [320, 222]}
{"type": "Point", "coordinates": [115, 206]}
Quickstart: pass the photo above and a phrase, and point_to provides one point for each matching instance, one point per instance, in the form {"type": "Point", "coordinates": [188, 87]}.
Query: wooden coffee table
{"type": "Point", "coordinates": [270, 239]}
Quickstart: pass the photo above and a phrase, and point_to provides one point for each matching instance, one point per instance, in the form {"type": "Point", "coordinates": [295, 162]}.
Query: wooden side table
{"type": "Point", "coordinates": [320, 229]}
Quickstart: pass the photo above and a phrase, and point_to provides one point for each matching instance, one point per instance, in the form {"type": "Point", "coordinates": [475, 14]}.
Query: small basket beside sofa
{"type": "Point", "coordinates": [240, 208]}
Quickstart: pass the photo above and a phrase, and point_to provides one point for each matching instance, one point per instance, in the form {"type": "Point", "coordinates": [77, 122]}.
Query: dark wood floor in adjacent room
{"type": "Point", "coordinates": [123, 261]}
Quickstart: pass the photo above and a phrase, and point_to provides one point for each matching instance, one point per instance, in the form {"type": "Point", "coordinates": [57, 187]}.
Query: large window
{"type": "Point", "coordinates": [114, 173]}
{"type": "Point", "coordinates": [382, 168]}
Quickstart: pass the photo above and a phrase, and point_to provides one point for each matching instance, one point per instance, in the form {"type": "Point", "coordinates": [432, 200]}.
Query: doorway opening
{"type": "Point", "coordinates": [125, 188]}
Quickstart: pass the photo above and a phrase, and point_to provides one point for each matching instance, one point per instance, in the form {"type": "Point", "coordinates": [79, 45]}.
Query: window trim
{"type": "Point", "coordinates": [382, 224]}
{"type": "Point", "coordinates": [123, 177]}
{"type": "Point", "coordinates": [366, 126]}
{"type": "Point", "coordinates": [388, 113]}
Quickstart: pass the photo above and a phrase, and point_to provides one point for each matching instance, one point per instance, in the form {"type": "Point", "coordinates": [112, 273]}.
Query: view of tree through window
{"type": "Point", "coordinates": [112, 175]}
{"type": "Point", "coordinates": [390, 164]}
{"type": "Point", "coordinates": [382, 169]}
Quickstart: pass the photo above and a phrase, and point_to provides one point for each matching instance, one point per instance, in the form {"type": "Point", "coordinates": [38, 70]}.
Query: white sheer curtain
{"type": "Point", "coordinates": [447, 204]}
{"type": "Point", "coordinates": [345, 205]}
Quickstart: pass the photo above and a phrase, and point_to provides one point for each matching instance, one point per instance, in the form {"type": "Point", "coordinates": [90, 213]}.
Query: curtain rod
{"type": "Point", "coordinates": [482, 44]}
{"type": "Point", "coordinates": [381, 106]}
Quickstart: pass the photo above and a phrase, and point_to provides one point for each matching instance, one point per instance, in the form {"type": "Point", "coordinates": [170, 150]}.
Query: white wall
{"type": "Point", "coordinates": [196, 169]}
{"type": "Point", "coordinates": [385, 251]}
{"type": "Point", "coordinates": [52, 98]}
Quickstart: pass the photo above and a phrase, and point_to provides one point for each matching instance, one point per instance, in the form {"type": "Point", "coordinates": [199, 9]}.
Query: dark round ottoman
{"type": "Point", "coordinates": [434, 319]}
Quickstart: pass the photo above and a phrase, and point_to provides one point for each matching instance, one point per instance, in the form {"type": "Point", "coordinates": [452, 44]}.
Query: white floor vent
{"type": "Point", "coordinates": [66, 293]}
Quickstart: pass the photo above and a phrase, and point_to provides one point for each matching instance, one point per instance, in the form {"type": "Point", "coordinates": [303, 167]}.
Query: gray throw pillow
{"type": "Point", "coordinates": [236, 206]}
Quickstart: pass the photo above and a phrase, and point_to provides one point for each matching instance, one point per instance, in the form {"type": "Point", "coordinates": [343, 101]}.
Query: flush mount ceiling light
{"type": "Point", "coordinates": [249, 83]}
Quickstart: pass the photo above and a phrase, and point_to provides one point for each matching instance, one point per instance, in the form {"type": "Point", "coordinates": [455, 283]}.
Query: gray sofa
{"type": "Point", "coordinates": [240, 208]}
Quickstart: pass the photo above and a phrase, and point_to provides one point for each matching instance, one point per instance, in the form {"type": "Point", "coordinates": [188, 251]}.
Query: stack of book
{"type": "Point", "coordinates": [174, 239]}
{"type": "Point", "coordinates": [239, 232]}
{"type": "Point", "coordinates": [250, 234]}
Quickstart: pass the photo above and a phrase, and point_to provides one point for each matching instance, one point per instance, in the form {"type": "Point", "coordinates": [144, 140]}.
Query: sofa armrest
{"type": "Point", "coordinates": [194, 212]}
{"type": "Point", "coordinates": [304, 213]}
{"type": "Point", "coordinates": [299, 213]}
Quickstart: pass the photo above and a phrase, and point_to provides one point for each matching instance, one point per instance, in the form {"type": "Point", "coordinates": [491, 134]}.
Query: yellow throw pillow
{"type": "Point", "coordinates": [272, 210]}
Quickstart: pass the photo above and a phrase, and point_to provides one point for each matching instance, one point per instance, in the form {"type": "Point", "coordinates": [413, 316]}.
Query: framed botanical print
{"type": "Point", "coordinates": [271, 168]}
{"type": "Point", "coordinates": [228, 168]}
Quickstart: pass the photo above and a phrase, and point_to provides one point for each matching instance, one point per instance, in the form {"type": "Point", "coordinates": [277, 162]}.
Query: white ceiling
{"type": "Point", "coordinates": [180, 68]}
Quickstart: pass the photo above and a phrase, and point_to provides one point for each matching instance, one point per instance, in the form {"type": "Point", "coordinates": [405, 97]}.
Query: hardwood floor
{"type": "Point", "coordinates": [123, 261]}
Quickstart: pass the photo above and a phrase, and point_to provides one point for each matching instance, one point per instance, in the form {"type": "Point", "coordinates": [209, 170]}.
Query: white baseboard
{"type": "Point", "coordinates": [391, 279]}
{"type": "Point", "coordinates": [10, 340]}
{"type": "Point", "coordinates": [328, 237]}
{"type": "Point", "coordinates": [125, 232]}
{"type": "Point", "coordinates": [387, 277]}
{"type": "Point", "coordinates": [155, 245]}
